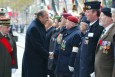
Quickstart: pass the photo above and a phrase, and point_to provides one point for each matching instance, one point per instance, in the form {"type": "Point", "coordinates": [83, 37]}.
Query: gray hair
{"type": "Point", "coordinates": [41, 12]}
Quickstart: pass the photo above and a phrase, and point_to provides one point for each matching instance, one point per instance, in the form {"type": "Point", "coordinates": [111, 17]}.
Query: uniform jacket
{"type": "Point", "coordinates": [71, 38]}
{"type": "Point", "coordinates": [5, 57]}
{"type": "Point", "coordinates": [36, 51]}
{"type": "Point", "coordinates": [87, 50]}
{"type": "Point", "coordinates": [54, 46]}
{"type": "Point", "coordinates": [104, 59]}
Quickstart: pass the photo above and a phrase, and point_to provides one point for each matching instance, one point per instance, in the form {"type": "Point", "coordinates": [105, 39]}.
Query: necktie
{"type": "Point", "coordinates": [103, 32]}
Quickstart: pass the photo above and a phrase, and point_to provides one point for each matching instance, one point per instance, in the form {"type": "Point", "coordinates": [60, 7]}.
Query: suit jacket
{"type": "Point", "coordinates": [104, 59]}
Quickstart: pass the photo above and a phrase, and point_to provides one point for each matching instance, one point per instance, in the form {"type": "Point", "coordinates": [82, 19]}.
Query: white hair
{"type": "Point", "coordinates": [112, 10]}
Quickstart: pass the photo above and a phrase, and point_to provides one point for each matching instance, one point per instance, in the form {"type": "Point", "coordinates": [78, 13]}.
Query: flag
{"type": "Point", "coordinates": [9, 11]}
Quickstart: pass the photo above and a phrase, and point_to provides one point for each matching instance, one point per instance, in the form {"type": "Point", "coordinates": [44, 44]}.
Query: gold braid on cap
{"type": "Point", "coordinates": [5, 21]}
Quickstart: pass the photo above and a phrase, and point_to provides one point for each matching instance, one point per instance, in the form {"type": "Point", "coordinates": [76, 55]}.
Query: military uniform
{"type": "Point", "coordinates": [71, 38]}
{"type": "Point", "coordinates": [8, 52]}
{"type": "Point", "coordinates": [89, 43]}
{"type": "Point", "coordinates": [104, 58]}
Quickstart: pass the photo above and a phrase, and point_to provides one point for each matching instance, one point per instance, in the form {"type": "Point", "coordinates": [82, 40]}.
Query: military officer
{"type": "Point", "coordinates": [89, 43]}
{"type": "Point", "coordinates": [71, 41]}
{"type": "Point", "coordinates": [104, 58]}
{"type": "Point", "coordinates": [8, 49]}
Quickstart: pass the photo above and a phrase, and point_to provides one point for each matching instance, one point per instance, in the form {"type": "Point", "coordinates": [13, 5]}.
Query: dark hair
{"type": "Point", "coordinates": [41, 13]}
{"type": "Point", "coordinates": [98, 11]}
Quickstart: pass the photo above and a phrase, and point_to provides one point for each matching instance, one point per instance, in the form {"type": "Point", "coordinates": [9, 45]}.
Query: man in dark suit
{"type": "Point", "coordinates": [89, 43]}
{"type": "Point", "coordinates": [36, 51]}
{"type": "Point", "coordinates": [104, 58]}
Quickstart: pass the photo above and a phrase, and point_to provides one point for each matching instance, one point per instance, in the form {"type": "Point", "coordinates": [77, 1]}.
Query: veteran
{"type": "Point", "coordinates": [70, 39]}
{"type": "Point", "coordinates": [104, 57]}
{"type": "Point", "coordinates": [89, 43]}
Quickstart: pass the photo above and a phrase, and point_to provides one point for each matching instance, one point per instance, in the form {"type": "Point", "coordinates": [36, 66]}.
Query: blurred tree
{"type": "Point", "coordinates": [16, 4]}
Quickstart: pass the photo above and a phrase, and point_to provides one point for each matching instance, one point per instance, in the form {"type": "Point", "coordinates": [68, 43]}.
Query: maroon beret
{"type": "Point", "coordinates": [72, 19]}
{"type": "Point", "coordinates": [65, 15]}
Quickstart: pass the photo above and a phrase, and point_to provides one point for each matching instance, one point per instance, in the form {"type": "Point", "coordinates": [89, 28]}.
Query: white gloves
{"type": "Point", "coordinates": [71, 68]}
{"type": "Point", "coordinates": [75, 49]}
{"type": "Point", "coordinates": [51, 55]}
{"type": "Point", "coordinates": [92, 74]}
{"type": "Point", "coordinates": [13, 70]}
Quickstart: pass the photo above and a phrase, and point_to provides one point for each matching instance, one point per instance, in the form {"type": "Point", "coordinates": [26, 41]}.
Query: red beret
{"type": "Point", "coordinates": [72, 19]}
{"type": "Point", "coordinates": [65, 15]}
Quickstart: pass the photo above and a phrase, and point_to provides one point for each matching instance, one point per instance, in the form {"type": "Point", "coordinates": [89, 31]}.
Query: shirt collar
{"type": "Point", "coordinates": [108, 27]}
{"type": "Point", "coordinates": [91, 23]}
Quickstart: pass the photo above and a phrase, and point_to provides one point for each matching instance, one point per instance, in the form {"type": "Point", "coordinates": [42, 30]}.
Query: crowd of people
{"type": "Point", "coordinates": [66, 46]}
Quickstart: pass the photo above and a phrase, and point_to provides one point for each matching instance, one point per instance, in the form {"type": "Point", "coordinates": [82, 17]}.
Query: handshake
{"type": "Point", "coordinates": [51, 55]}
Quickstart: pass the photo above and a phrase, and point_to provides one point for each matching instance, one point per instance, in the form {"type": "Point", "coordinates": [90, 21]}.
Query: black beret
{"type": "Point", "coordinates": [107, 11]}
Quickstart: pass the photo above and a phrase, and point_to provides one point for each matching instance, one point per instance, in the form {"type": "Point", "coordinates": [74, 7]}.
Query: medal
{"type": "Point", "coordinates": [63, 44]}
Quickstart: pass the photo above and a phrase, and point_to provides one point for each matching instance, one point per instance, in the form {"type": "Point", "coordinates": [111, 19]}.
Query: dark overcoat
{"type": "Point", "coordinates": [104, 59]}
{"type": "Point", "coordinates": [36, 52]}
{"type": "Point", "coordinates": [87, 53]}
{"type": "Point", "coordinates": [5, 57]}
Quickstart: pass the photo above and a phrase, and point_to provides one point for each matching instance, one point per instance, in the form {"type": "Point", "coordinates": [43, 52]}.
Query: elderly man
{"type": "Point", "coordinates": [8, 49]}
{"type": "Point", "coordinates": [104, 58]}
{"type": "Point", "coordinates": [36, 51]}
{"type": "Point", "coordinates": [70, 39]}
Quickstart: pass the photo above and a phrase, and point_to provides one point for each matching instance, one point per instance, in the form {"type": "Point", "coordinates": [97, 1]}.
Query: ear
{"type": "Point", "coordinates": [39, 17]}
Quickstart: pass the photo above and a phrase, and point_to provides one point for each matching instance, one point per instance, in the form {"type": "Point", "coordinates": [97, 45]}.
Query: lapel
{"type": "Point", "coordinates": [105, 36]}
{"type": "Point", "coordinates": [108, 32]}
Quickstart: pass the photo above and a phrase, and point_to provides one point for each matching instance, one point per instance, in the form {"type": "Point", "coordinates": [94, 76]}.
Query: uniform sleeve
{"type": "Point", "coordinates": [76, 41]}
{"type": "Point", "coordinates": [36, 39]}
